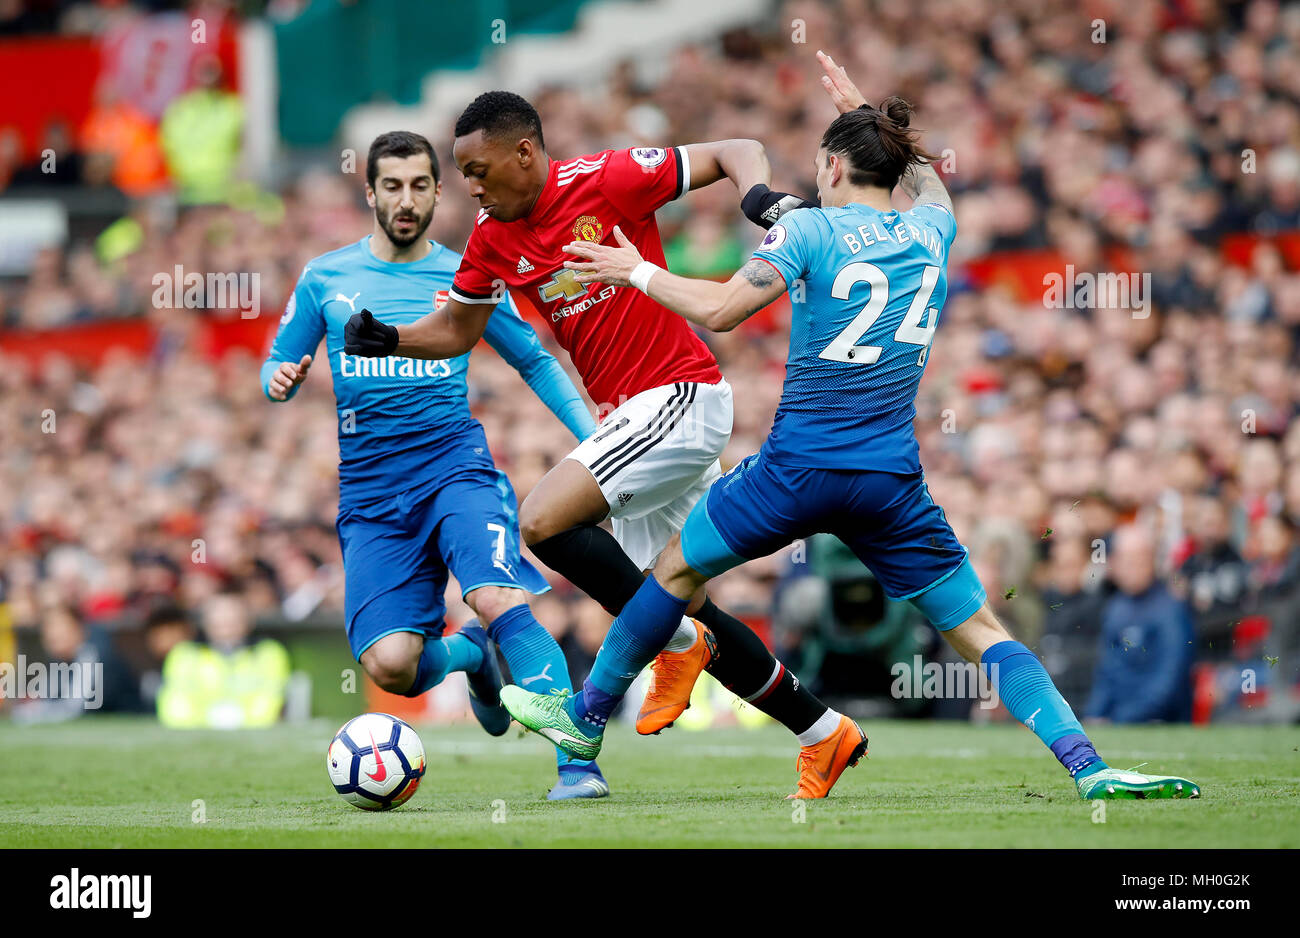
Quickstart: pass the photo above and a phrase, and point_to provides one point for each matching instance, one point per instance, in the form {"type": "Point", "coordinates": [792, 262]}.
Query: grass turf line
{"type": "Point", "coordinates": [110, 782]}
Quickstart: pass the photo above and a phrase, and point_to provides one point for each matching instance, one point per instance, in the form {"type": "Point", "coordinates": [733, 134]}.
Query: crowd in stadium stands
{"type": "Point", "coordinates": [1128, 485]}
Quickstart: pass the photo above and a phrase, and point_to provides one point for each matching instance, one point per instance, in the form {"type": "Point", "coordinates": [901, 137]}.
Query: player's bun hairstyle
{"type": "Point", "coordinates": [876, 142]}
{"type": "Point", "coordinates": [499, 113]}
{"type": "Point", "coordinates": [398, 143]}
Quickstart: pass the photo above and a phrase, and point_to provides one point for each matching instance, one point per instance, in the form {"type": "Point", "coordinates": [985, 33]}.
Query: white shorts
{"type": "Point", "coordinates": [654, 457]}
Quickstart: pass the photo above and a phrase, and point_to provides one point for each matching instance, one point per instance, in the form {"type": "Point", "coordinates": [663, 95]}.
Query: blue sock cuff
{"type": "Point", "coordinates": [510, 623]}
{"type": "Point", "coordinates": [639, 633]}
{"type": "Point", "coordinates": [658, 595]}
{"type": "Point", "coordinates": [999, 653]}
{"type": "Point", "coordinates": [432, 667]}
{"type": "Point", "coordinates": [571, 773]}
{"type": "Point", "coordinates": [1027, 691]}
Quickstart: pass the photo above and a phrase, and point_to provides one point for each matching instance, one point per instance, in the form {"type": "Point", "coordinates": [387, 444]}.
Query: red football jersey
{"type": "Point", "coordinates": [621, 341]}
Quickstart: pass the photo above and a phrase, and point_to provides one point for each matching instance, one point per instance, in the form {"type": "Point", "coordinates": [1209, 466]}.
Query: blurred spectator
{"type": "Point", "coordinates": [1075, 601]}
{"type": "Point", "coordinates": [11, 154]}
{"type": "Point", "coordinates": [121, 146]}
{"type": "Point", "coordinates": [201, 133]}
{"type": "Point", "coordinates": [228, 682]}
{"type": "Point", "coordinates": [165, 627]}
{"type": "Point", "coordinates": [1274, 559]}
{"type": "Point", "coordinates": [57, 161]}
{"type": "Point", "coordinates": [1214, 574]}
{"type": "Point", "coordinates": [1144, 666]}
{"type": "Point", "coordinates": [81, 673]}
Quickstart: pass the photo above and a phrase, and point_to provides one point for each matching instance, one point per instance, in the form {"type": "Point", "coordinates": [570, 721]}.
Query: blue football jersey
{"type": "Point", "coordinates": [405, 423]}
{"type": "Point", "coordinates": [866, 288]}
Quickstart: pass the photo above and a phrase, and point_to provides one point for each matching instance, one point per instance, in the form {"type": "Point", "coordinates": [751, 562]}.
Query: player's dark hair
{"type": "Point", "coordinates": [876, 142]}
{"type": "Point", "coordinates": [500, 113]}
{"type": "Point", "coordinates": [399, 143]}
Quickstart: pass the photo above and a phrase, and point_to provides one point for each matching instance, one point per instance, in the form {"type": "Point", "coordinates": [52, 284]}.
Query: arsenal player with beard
{"type": "Point", "coordinates": [656, 452]}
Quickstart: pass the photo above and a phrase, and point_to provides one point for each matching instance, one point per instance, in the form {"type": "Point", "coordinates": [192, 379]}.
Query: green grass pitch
{"type": "Point", "coordinates": [105, 782]}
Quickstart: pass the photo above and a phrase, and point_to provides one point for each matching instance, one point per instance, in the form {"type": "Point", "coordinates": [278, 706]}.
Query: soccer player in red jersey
{"type": "Point", "coordinates": [656, 451]}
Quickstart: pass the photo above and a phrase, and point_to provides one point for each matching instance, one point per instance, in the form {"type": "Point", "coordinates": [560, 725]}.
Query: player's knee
{"type": "Point", "coordinates": [566, 497]}
{"type": "Point", "coordinates": [391, 667]}
{"type": "Point", "coordinates": [490, 602]}
{"type": "Point", "coordinates": [534, 525]}
{"type": "Point", "coordinates": [671, 569]}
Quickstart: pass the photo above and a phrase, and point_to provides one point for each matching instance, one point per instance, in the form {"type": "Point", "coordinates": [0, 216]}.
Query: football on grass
{"type": "Point", "coordinates": [375, 761]}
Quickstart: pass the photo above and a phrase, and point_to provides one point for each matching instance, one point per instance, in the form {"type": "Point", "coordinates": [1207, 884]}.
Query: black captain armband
{"type": "Point", "coordinates": [764, 207]}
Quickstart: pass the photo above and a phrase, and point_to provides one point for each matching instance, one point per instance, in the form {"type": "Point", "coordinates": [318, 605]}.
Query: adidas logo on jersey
{"type": "Point", "coordinates": [773, 212]}
{"type": "Point", "coordinates": [624, 498]}
{"type": "Point", "coordinates": [524, 267]}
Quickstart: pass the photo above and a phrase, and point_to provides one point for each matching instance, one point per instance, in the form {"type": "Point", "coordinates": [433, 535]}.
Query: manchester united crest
{"type": "Point", "coordinates": [588, 228]}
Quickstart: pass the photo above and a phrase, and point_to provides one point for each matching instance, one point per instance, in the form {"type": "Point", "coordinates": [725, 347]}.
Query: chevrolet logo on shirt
{"type": "Point", "coordinates": [563, 283]}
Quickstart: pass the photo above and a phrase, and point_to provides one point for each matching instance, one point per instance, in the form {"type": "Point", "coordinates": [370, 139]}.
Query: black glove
{"type": "Point", "coordinates": [764, 207]}
{"type": "Point", "coordinates": [366, 336]}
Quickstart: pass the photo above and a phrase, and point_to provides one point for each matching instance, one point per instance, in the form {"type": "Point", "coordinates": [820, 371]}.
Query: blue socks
{"type": "Point", "coordinates": [440, 657]}
{"type": "Point", "coordinates": [536, 662]}
{"type": "Point", "coordinates": [1029, 694]}
{"type": "Point", "coordinates": [639, 633]}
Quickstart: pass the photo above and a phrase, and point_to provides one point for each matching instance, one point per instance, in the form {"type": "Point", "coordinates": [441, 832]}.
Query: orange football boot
{"type": "Point", "coordinates": [821, 765]}
{"type": "Point", "coordinates": [672, 678]}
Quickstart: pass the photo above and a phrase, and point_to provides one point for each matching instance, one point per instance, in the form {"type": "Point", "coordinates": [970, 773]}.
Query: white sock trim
{"type": "Point", "coordinates": [821, 728]}
{"type": "Point", "coordinates": [776, 673]}
{"type": "Point", "coordinates": [684, 638]}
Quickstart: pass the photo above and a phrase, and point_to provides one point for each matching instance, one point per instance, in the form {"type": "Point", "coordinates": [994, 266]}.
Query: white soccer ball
{"type": "Point", "coordinates": [375, 761]}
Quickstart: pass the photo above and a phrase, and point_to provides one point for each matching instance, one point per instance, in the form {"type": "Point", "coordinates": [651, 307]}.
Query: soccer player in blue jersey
{"type": "Point", "coordinates": [867, 284]}
{"type": "Point", "coordinates": [419, 494]}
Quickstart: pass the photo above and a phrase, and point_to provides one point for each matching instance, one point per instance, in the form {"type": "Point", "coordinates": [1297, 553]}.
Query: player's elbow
{"type": "Point", "coordinates": [723, 319]}
{"type": "Point", "coordinates": [744, 146]}
{"type": "Point", "coordinates": [748, 163]}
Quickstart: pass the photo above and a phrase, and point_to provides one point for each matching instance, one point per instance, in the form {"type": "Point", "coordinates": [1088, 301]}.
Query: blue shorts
{"type": "Point", "coordinates": [888, 520]}
{"type": "Point", "coordinates": [396, 554]}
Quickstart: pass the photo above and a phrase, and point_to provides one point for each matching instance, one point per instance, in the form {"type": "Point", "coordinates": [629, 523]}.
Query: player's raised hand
{"type": "Point", "coordinates": [287, 377]}
{"type": "Point", "coordinates": [366, 336]}
{"type": "Point", "coordinates": [844, 94]}
{"type": "Point", "coordinates": [604, 263]}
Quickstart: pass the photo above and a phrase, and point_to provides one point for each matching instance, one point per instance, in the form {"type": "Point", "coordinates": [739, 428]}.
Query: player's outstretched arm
{"type": "Point", "coordinates": [447, 332]}
{"type": "Point", "coordinates": [844, 94]}
{"type": "Point", "coordinates": [920, 182]}
{"type": "Point", "coordinates": [300, 331]}
{"type": "Point", "coordinates": [760, 204]}
{"type": "Point", "coordinates": [718, 307]}
{"type": "Point", "coordinates": [744, 162]}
